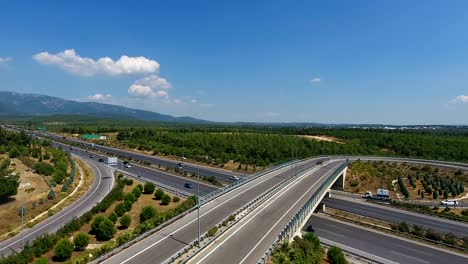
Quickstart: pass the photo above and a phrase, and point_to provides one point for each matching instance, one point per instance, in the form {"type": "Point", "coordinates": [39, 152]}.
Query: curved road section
{"type": "Point", "coordinates": [102, 184]}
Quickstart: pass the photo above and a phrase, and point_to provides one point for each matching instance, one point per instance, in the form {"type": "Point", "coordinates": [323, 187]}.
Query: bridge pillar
{"type": "Point", "coordinates": [340, 182]}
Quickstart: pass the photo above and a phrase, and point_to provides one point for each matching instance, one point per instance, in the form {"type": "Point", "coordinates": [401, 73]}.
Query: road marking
{"type": "Point", "coordinates": [414, 250]}
{"type": "Point", "coordinates": [336, 234]}
{"type": "Point", "coordinates": [342, 229]}
{"type": "Point", "coordinates": [182, 227]}
{"type": "Point", "coordinates": [401, 254]}
{"type": "Point", "coordinates": [65, 214]}
{"type": "Point", "coordinates": [264, 207]}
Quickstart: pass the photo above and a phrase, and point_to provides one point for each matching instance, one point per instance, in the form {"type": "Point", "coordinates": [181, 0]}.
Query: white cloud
{"type": "Point", "coordinates": [154, 82]}
{"type": "Point", "coordinates": [100, 97]}
{"type": "Point", "coordinates": [70, 61]}
{"type": "Point", "coordinates": [460, 99]}
{"type": "Point", "coordinates": [139, 90]}
{"type": "Point", "coordinates": [315, 80]}
{"type": "Point", "coordinates": [5, 61]}
{"type": "Point", "coordinates": [150, 86]}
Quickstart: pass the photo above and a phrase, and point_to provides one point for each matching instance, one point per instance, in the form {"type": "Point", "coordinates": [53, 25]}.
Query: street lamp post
{"type": "Point", "coordinates": [198, 194]}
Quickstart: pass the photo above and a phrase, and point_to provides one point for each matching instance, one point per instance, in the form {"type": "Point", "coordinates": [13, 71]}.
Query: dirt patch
{"type": "Point", "coordinates": [33, 187]}
{"type": "Point", "coordinates": [322, 138]}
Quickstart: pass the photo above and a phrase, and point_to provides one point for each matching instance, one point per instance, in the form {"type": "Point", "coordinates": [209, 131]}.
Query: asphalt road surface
{"type": "Point", "coordinates": [387, 247]}
{"type": "Point", "coordinates": [102, 184]}
{"type": "Point", "coordinates": [248, 240]}
{"type": "Point", "coordinates": [220, 174]}
{"type": "Point", "coordinates": [147, 174]}
{"type": "Point", "coordinates": [396, 216]}
{"type": "Point", "coordinates": [169, 240]}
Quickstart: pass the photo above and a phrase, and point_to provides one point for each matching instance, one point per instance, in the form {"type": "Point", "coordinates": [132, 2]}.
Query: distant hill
{"type": "Point", "coordinates": [14, 104]}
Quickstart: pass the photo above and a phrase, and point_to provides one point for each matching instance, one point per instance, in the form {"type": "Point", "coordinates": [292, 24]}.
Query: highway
{"type": "Point", "coordinates": [169, 240]}
{"type": "Point", "coordinates": [220, 174]}
{"type": "Point", "coordinates": [147, 174]}
{"type": "Point", "coordinates": [253, 235]}
{"type": "Point", "coordinates": [102, 184]}
{"type": "Point", "coordinates": [394, 215]}
{"type": "Point", "coordinates": [392, 249]}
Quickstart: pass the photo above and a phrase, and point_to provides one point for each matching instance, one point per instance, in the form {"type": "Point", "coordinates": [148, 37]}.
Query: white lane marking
{"type": "Point", "coordinates": [326, 231]}
{"type": "Point", "coordinates": [414, 250]}
{"type": "Point", "coordinates": [342, 229]}
{"type": "Point", "coordinates": [65, 214]}
{"type": "Point", "coordinates": [401, 254]}
{"type": "Point", "coordinates": [182, 227]}
{"type": "Point", "coordinates": [264, 207]}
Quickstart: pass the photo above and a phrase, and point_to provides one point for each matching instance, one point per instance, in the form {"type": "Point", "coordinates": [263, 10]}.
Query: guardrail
{"type": "Point", "coordinates": [239, 215]}
{"type": "Point", "coordinates": [300, 216]}
{"type": "Point", "coordinates": [166, 188]}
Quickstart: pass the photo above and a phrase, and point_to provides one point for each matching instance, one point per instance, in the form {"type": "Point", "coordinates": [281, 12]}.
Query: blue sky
{"type": "Point", "coordinates": [398, 62]}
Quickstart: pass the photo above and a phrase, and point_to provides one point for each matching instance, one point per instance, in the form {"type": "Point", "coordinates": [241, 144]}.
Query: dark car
{"type": "Point", "coordinates": [188, 185]}
{"type": "Point", "coordinates": [101, 160]}
{"type": "Point", "coordinates": [310, 229]}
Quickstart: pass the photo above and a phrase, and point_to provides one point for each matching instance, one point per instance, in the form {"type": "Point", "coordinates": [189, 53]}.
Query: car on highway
{"type": "Point", "coordinates": [188, 185]}
{"type": "Point", "coordinates": [91, 156]}
{"type": "Point", "coordinates": [127, 166]}
{"type": "Point", "coordinates": [101, 160]}
{"type": "Point", "coordinates": [310, 228]}
{"type": "Point", "coordinates": [449, 202]}
{"type": "Point", "coordinates": [235, 178]}
{"type": "Point", "coordinates": [180, 165]}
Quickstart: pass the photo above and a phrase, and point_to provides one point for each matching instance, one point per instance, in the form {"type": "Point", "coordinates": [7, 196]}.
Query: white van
{"type": "Point", "coordinates": [449, 202]}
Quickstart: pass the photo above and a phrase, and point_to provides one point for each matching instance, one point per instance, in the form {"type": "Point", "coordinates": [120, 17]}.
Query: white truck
{"type": "Point", "coordinates": [382, 194]}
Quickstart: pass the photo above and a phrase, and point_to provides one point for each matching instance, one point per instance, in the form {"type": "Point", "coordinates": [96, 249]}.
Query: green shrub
{"type": "Point", "coordinates": [212, 231]}
{"type": "Point", "coordinates": [120, 209]}
{"type": "Point", "coordinates": [130, 197]}
{"type": "Point", "coordinates": [43, 168]}
{"type": "Point", "coordinates": [158, 194]}
{"type": "Point", "coordinates": [125, 221]}
{"type": "Point", "coordinates": [51, 195]}
{"type": "Point", "coordinates": [41, 260]}
{"type": "Point", "coordinates": [96, 222]}
{"type": "Point", "coordinates": [336, 256]}
{"type": "Point", "coordinates": [166, 199]}
{"type": "Point", "coordinates": [136, 192]}
{"type": "Point", "coordinates": [64, 249]}
{"type": "Point", "coordinates": [81, 241]}
{"type": "Point", "coordinates": [128, 205]}
{"type": "Point", "coordinates": [113, 217]}
{"type": "Point", "coordinates": [149, 188]}
{"type": "Point", "coordinates": [147, 212]}
{"type": "Point", "coordinates": [106, 230]}
{"type": "Point", "coordinates": [175, 199]}
{"type": "Point", "coordinates": [140, 187]}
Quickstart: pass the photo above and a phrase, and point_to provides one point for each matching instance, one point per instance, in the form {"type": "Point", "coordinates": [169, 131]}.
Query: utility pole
{"type": "Point", "coordinates": [198, 194]}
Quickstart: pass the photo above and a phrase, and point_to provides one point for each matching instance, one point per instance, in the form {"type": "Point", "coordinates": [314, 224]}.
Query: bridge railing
{"type": "Point", "coordinates": [301, 215]}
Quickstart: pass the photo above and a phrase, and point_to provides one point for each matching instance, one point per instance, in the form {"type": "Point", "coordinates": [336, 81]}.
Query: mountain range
{"type": "Point", "coordinates": [13, 104]}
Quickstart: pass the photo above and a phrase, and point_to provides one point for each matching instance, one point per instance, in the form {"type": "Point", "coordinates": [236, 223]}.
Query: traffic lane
{"type": "Point", "coordinates": [206, 171]}
{"type": "Point", "coordinates": [387, 247]}
{"type": "Point", "coordinates": [101, 185]}
{"type": "Point", "coordinates": [397, 216]}
{"type": "Point", "coordinates": [161, 246]}
{"type": "Point", "coordinates": [169, 180]}
{"type": "Point", "coordinates": [255, 234]}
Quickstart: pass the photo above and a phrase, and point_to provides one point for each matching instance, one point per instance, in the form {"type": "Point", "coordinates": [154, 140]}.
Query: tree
{"type": "Point", "coordinates": [64, 248]}
{"type": "Point", "coordinates": [51, 194]}
{"type": "Point", "coordinates": [149, 188]}
{"type": "Point", "coordinates": [125, 221]}
{"type": "Point", "coordinates": [81, 241]}
{"type": "Point", "coordinates": [147, 212]}
{"type": "Point", "coordinates": [166, 199]}
{"type": "Point", "coordinates": [8, 187]}
{"type": "Point", "coordinates": [435, 195]}
{"type": "Point", "coordinates": [120, 209]}
{"type": "Point", "coordinates": [40, 260]}
{"type": "Point", "coordinates": [158, 194]}
{"type": "Point", "coordinates": [113, 217]}
{"type": "Point", "coordinates": [105, 230]}
{"type": "Point", "coordinates": [96, 222]}
{"type": "Point", "coordinates": [336, 256]}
